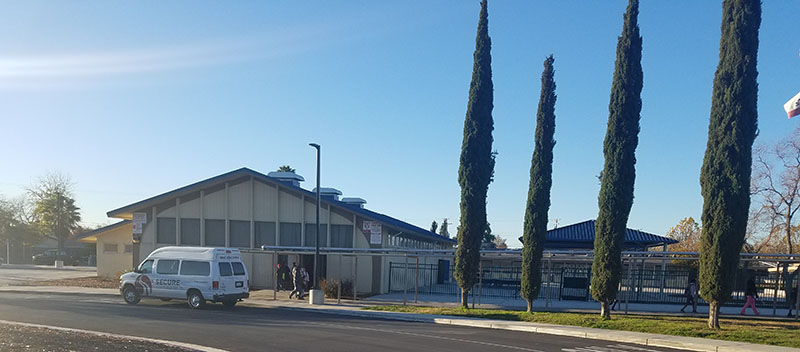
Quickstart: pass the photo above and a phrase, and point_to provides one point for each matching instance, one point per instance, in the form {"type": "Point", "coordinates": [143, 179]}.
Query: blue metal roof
{"type": "Point", "coordinates": [390, 221]}
{"type": "Point", "coordinates": [581, 235]}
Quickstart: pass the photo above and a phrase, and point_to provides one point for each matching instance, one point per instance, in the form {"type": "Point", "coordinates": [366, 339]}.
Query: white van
{"type": "Point", "coordinates": [197, 274]}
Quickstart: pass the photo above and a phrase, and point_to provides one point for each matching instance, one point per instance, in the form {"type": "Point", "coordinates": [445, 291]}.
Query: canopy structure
{"type": "Point", "coordinates": [581, 236]}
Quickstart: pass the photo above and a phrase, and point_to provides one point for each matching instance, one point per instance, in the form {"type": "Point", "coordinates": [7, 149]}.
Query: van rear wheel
{"type": "Point", "coordinates": [229, 303]}
{"type": "Point", "coordinates": [196, 300]}
{"type": "Point", "coordinates": [130, 295]}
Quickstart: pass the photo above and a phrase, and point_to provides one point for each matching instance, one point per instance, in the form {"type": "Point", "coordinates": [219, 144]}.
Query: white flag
{"type": "Point", "coordinates": [792, 106]}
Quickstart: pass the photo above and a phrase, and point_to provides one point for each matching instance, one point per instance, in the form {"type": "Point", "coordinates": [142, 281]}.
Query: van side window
{"type": "Point", "coordinates": [167, 267]}
{"type": "Point", "coordinates": [225, 269]}
{"type": "Point", "coordinates": [194, 268]}
{"type": "Point", "coordinates": [238, 268]}
{"type": "Point", "coordinates": [146, 267]}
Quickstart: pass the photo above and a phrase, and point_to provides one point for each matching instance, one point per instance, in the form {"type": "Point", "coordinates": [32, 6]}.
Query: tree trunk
{"type": "Point", "coordinates": [789, 228]}
{"type": "Point", "coordinates": [605, 312]}
{"type": "Point", "coordinates": [713, 315]}
{"type": "Point", "coordinates": [530, 306]}
{"type": "Point", "coordinates": [464, 298]}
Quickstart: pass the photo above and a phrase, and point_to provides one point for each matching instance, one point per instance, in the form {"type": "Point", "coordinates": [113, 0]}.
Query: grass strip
{"type": "Point", "coordinates": [778, 333]}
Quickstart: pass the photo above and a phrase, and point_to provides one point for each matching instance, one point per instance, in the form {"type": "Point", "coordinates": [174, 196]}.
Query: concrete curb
{"type": "Point", "coordinates": [190, 346]}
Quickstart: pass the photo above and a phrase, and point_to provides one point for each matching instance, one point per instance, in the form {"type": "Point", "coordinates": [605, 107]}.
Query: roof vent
{"type": "Point", "coordinates": [327, 192]}
{"type": "Point", "coordinates": [287, 177]}
{"type": "Point", "coordinates": [354, 201]}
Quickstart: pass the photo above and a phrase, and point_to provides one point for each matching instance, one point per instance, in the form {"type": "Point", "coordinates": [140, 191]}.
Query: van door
{"type": "Point", "coordinates": [240, 277]}
{"type": "Point", "coordinates": [166, 282]}
{"type": "Point", "coordinates": [226, 279]}
{"type": "Point", "coordinates": [195, 274]}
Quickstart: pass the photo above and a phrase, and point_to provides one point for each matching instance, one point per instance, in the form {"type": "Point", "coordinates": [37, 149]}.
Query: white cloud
{"type": "Point", "coordinates": [52, 69]}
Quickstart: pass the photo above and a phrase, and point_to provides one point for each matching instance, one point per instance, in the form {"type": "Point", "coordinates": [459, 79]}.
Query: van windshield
{"type": "Point", "coordinates": [238, 268]}
{"type": "Point", "coordinates": [146, 267]}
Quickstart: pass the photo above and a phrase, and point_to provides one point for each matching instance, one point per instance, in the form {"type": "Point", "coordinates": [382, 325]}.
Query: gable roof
{"type": "Point", "coordinates": [96, 232]}
{"type": "Point", "coordinates": [126, 211]}
{"type": "Point", "coordinates": [581, 235]}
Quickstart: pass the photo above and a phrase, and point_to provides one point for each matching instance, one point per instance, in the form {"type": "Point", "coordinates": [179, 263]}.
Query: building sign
{"type": "Point", "coordinates": [375, 230]}
{"type": "Point", "coordinates": [139, 219]}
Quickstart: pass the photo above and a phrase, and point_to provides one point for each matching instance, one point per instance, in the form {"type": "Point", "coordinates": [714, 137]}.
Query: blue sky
{"type": "Point", "coordinates": [134, 99]}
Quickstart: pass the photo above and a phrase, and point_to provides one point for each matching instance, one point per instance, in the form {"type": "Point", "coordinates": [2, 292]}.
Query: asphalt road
{"type": "Point", "coordinates": [17, 274]}
{"type": "Point", "coordinates": [275, 329]}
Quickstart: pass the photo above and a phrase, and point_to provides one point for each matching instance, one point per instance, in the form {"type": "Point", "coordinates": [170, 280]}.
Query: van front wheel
{"type": "Point", "coordinates": [130, 295]}
{"type": "Point", "coordinates": [196, 300]}
{"type": "Point", "coordinates": [229, 303]}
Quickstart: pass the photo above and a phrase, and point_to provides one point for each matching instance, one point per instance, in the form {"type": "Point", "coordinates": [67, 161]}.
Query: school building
{"type": "Point", "coordinates": [247, 209]}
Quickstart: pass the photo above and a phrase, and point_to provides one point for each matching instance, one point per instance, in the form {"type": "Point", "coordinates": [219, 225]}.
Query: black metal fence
{"type": "Point", "coordinates": [571, 282]}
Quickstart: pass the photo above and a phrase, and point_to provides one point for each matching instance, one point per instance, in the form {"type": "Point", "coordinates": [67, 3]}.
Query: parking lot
{"type": "Point", "coordinates": [20, 274]}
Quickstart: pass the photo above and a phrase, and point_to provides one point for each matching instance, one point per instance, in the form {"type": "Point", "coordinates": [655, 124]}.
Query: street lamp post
{"type": "Point", "coordinates": [314, 298]}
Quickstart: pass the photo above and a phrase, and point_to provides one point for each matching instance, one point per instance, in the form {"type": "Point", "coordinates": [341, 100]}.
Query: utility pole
{"type": "Point", "coordinates": [316, 294]}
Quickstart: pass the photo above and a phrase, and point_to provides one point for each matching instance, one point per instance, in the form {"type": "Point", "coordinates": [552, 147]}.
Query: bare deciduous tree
{"type": "Point", "coordinates": [776, 185]}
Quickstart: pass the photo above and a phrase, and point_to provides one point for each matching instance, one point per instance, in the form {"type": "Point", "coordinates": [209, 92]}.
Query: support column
{"type": "Point", "coordinates": [155, 227]}
{"type": "Point", "coordinates": [328, 232]}
{"type": "Point", "coordinates": [303, 223]}
{"type": "Point", "coordinates": [227, 218]}
{"type": "Point", "coordinates": [178, 221]}
{"type": "Point", "coordinates": [253, 213]}
{"type": "Point", "coordinates": [202, 218]}
{"type": "Point", "coordinates": [277, 215]}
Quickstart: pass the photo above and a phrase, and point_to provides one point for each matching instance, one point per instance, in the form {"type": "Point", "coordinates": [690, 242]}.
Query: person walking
{"type": "Point", "coordinates": [691, 296]}
{"type": "Point", "coordinates": [297, 278]}
{"type": "Point", "coordinates": [285, 277]}
{"type": "Point", "coordinates": [304, 284]}
{"type": "Point", "coordinates": [279, 278]}
{"type": "Point", "coordinates": [790, 290]}
{"type": "Point", "coordinates": [751, 292]}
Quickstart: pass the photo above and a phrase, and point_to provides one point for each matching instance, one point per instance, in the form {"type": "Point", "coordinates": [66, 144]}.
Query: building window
{"type": "Point", "coordinates": [165, 233]}
{"type": "Point", "coordinates": [265, 234]}
{"type": "Point", "coordinates": [128, 248]}
{"type": "Point", "coordinates": [240, 233]}
{"type": "Point", "coordinates": [311, 235]}
{"type": "Point", "coordinates": [110, 247]}
{"type": "Point", "coordinates": [342, 236]}
{"type": "Point", "coordinates": [290, 234]}
{"type": "Point", "coordinates": [190, 232]}
{"type": "Point", "coordinates": [215, 233]}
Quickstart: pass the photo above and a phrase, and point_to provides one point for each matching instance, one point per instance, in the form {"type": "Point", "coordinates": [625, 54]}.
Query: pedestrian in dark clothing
{"type": "Point", "coordinates": [280, 278]}
{"type": "Point", "coordinates": [286, 276]}
{"type": "Point", "coordinates": [751, 292]}
{"type": "Point", "coordinates": [790, 290]}
{"type": "Point", "coordinates": [691, 296]}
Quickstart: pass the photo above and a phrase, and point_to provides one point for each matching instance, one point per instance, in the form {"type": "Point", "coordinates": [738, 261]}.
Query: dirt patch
{"type": "Point", "coordinates": [89, 281]}
{"type": "Point", "coordinates": [28, 338]}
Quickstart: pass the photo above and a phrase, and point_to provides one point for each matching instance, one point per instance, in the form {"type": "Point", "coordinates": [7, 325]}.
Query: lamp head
{"type": "Point", "coordinates": [315, 145]}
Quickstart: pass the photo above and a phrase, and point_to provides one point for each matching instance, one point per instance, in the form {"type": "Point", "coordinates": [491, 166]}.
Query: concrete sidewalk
{"type": "Point", "coordinates": [264, 298]}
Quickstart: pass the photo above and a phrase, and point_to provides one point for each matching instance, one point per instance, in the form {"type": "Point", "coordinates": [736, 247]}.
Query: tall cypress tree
{"type": "Point", "coordinates": [477, 162]}
{"type": "Point", "coordinates": [725, 175]}
{"type": "Point", "coordinates": [535, 228]}
{"type": "Point", "coordinates": [616, 185]}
